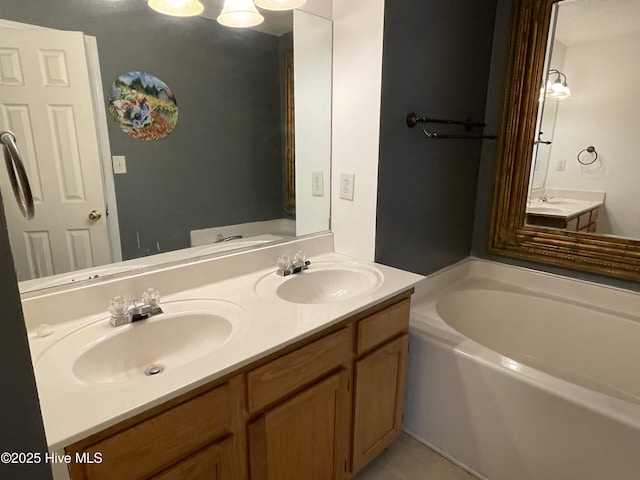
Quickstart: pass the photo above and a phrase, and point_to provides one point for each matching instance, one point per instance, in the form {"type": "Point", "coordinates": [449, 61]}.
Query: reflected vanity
{"type": "Point", "coordinates": [227, 170]}
{"type": "Point", "coordinates": [564, 191]}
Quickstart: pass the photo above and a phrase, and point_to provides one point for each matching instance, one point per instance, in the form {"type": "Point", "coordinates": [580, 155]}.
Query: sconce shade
{"type": "Point", "coordinates": [558, 88]}
{"type": "Point", "coordinates": [280, 4]}
{"type": "Point", "coordinates": [177, 8]}
{"type": "Point", "coordinates": [239, 13]}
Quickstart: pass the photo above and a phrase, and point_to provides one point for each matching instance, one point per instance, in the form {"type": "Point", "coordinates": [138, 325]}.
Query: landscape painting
{"type": "Point", "coordinates": [143, 105]}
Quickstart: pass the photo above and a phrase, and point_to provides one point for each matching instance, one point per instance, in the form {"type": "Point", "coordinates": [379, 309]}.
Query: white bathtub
{"type": "Point", "coordinates": [517, 375]}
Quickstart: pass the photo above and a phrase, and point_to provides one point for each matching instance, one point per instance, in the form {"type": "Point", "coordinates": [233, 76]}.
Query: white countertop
{"type": "Point", "coordinates": [564, 203]}
{"type": "Point", "coordinates": [72, 410]}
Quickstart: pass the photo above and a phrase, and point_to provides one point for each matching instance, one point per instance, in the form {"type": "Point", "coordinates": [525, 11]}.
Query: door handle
{"type": "Point", "coordinates": [94, 215]}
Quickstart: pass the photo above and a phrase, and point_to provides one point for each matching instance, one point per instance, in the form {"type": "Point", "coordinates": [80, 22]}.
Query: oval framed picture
{"type": "Point", "coordinates": [143, 106]}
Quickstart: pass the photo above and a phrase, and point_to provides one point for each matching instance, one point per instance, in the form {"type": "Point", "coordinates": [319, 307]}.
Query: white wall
{"type": "Point", "coordinates": [606, 117]}
{"type": "Point", "coordinates": [322, 8]}
{"type": "Point", "coordinates": [312, 79]}
{"type": "Point", "coordinates": [357, 77]}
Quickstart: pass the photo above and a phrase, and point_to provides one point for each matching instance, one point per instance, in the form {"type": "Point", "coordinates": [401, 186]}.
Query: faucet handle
{"type": "Point", "coordinates": [299, 259]}
{"type": "Point", "coordinates": [119, 309]}
{"type": "Point", "coordinates": [151, 297]}
{"type": "Point", "coordinates": [284, 265]}
{"type": "Point", "coordinates": [118, 306]}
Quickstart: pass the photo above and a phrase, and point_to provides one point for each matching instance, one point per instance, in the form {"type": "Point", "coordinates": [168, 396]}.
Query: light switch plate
{"type": "Point", "coordinates": [346, 185]}
{"type": "Point", "coordinates": [561, 164]}
{"type": "Point", "coordinates": [119, 164]}
{"type": "Point", "coordinates": [317, 184]}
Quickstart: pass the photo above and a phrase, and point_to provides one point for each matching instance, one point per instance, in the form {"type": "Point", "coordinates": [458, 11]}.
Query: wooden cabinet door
{"type": "Point", "coordinates": [305, 437]}
{"type": "Point", "coordinates": [214, 462]}
{"type": "Point", "coordinates": [378, 400]}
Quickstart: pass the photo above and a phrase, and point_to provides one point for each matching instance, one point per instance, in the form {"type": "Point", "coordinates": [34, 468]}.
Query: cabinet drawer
{"type": "Point", "coordinates": [383, 325]}
{"type": "Point", "coordinates": [284, 375]}
{"type": "Point", "coordinates": [160, 441]}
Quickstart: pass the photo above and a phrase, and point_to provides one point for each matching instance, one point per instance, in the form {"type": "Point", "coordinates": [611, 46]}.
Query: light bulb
{"type": "Point", "coordinates": [239, 13]}
{"type": "Point", "coordinates": [280, 4]}
{"type": "Point", "coordinates": [557, 87]}
{"type": "Point", "coordinates": [177, 8]}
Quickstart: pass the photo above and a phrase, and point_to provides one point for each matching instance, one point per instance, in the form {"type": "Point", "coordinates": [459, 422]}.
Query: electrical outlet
{"type": "Point", "coordinates": [119, 164]}
{"type": "Point", "coordinates": [346, 185]}
{"type": "Point", "coordinates": [561, 164]}
{"type": "Point", "coordinates": [317, 185]}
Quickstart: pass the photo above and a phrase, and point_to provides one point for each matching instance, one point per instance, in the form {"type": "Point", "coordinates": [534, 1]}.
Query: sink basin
{"type": "Point", "coordinates": [323, 282]}
{"type": "Point", "coordinates": [98, 353]}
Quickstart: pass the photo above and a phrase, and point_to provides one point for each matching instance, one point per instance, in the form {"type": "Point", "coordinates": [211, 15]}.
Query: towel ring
{"type": "Point", "coordinates": [17, 174]}
{"type": "Point", "coordinates": [589, 149]}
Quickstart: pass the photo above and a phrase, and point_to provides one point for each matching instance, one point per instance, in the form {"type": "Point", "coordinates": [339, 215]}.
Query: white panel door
{"type": "Point", "coordinates": [45, 99]}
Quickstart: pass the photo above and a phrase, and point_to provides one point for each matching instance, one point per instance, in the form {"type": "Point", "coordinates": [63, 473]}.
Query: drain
{"type": "Point", "coordinates": [153, 370]}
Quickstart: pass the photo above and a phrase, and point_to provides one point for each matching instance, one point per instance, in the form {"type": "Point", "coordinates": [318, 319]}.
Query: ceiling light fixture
{"type": "Point", "coordinates": [280, 4]}
{"type": "Point", "coordinates": [177, 8]}
{"type": "Point", "coordinates": [239, 14]}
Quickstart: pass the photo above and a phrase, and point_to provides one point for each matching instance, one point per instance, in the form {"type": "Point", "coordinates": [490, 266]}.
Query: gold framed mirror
{"type": "Point", "coordinates": [509, 235]}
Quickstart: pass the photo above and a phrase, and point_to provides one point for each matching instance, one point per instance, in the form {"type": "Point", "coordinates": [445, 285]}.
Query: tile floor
{"type": "Point", "coordinates": [407, 459]}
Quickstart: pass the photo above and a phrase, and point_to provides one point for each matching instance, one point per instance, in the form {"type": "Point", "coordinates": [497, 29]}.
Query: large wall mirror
{"type": "Point", "coordinates": [247, 163]}
{"type": "Point", "coordinates": [566, 173]}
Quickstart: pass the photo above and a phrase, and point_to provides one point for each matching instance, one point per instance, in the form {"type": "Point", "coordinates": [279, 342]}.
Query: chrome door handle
{"type": "Point", "coordinates": [94, 215]}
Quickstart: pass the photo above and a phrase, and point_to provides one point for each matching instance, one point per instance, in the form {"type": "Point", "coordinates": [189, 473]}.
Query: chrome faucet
{"type": "Point", "coordinates": [288, 267]}
{"type": "Point", "coordinates": [220, 238]}
{"type": "Point", "coordinates": [545, 198]}
{"type": "Point", "coordinates": [123, 313]}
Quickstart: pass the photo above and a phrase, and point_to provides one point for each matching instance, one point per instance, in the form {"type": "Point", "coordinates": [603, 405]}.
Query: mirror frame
{"type": "Point", "coordinates": [508, 235]}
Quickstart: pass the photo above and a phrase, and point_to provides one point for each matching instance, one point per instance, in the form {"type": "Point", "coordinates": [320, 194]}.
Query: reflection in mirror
{"type": "Point", "coordinates": [573, 247]}
{"type": "Point", "coordinates": [585, 168]}
{"type": "Point", "coordinates": [223, 179]}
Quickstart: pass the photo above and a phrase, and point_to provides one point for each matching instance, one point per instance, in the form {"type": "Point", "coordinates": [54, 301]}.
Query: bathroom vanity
{"type": "Point", "coordinates": [580, 221]}
{"type": "Point", "coordinates": [573, 210]}
{"type": "Point", "coordinates": [311, 387]}
{"type": "Point", "coordinates": [299, 413]}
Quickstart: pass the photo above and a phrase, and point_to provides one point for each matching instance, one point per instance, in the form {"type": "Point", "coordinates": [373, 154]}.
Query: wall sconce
{"type": "Point", "coordinates": [177, 8]}
{"type": "Point", "coordinates": [559, 88]}
{"type": "Point", "coordinates": [279, 4]}
{"type": "Point", "coordinates": [239, 14]}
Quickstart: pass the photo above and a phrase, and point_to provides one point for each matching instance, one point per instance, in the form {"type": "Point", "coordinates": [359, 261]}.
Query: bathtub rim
{"type": "Point", "coordinates": [617, 300]}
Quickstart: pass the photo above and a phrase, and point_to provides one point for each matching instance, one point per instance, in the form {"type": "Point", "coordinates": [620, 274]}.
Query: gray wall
{"type": "Point", "coordinates": [21, 428]}
{"type": "Point", "coordinates": [223, 162]}
{"type": "Point", "coordinates": [435, 62]}
{"type": "Point", "coordinates": [487, 163]}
